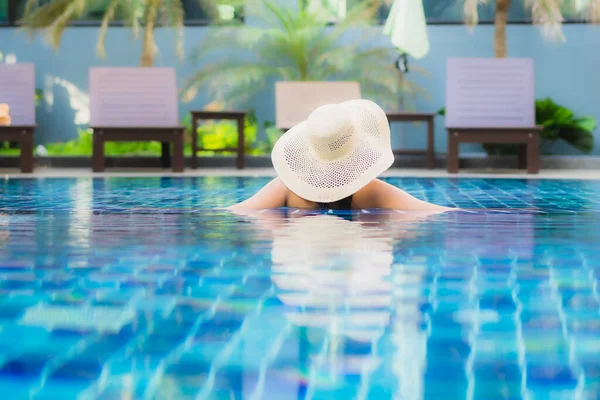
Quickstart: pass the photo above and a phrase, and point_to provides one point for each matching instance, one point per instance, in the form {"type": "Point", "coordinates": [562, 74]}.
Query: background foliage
{"type": "Point", "coordinates": [297, 44]}
{"type": "Point", "coordinates": [211, 135]}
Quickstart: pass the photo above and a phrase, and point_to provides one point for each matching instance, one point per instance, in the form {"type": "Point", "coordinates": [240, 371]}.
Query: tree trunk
{"type": "Point", "coordinates": [500, 21]}
{"type": "Point", "coordinates": [147, 59]}
{"type": "Point", "coordinates": [148, 45]}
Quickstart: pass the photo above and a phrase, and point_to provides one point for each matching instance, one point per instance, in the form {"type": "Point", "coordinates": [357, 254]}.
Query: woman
{"type": "Point", "coordinates": [332, 161]}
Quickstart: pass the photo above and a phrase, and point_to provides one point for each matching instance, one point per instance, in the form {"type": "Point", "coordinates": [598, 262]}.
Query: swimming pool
{"type": "Point", "coordinates": [124, 288]}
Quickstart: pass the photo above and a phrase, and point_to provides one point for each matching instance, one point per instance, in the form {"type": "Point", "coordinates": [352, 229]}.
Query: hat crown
{"type": "Point", "coordinates": [331, 132]}
{"type": "Point", "coordinates": [335, 152]}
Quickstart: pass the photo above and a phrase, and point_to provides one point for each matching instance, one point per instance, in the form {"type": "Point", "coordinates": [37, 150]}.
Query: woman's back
{"type": "Point", "coordinates": [332, 160]}
{"type": "Point", "coordinates": [376, 194]}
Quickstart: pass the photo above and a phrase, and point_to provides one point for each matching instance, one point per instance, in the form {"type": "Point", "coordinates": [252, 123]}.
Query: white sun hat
{"type": "Point", "coordinates": [338, 150]}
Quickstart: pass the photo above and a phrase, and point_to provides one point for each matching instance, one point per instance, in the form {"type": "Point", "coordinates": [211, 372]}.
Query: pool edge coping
{"type": "Point", "coordinates": [549, 174]}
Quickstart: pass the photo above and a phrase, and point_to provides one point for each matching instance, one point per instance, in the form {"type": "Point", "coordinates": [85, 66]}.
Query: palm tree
{"type": "Point", "coordinates": [546, 13]}
{"type": "Point", "coordinates": [54, 16]}
{"type": "Point", "coordinates": [297, 44]}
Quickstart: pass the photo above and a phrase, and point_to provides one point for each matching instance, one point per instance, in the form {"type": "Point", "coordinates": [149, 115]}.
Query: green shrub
{"type": "Point", "coordinates": [211, 135]}
{"type": "Point", "coordinates": [224, 134]}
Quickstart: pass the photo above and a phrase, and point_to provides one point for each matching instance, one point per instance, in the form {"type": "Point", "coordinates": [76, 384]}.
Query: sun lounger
{"type": "Point", "coordinates": [135, 104]}
{"type": "Point", "coordinates": [491, 100]}
{"type": "Point", "coordinates": [17, 93]}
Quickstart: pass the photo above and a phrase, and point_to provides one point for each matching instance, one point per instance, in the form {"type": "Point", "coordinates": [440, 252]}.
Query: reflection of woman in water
{"type": "Point", "coordinates": [336, 276]}
{"type": "Point", "coordinates": [332, 161]}
{"type": "Point", "coordinates": [339, 265]}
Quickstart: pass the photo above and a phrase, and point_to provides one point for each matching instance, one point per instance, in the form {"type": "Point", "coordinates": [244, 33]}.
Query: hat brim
{"type": "Point", "coordinates": [326, 181]}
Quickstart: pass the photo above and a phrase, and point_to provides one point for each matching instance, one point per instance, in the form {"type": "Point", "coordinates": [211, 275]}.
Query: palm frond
{"type": "Point", "coordinates": [295, 45]}
{"type": "Point", "coordinates": [470, 11]}
{"type": "Point", "coordinates": [29, 7]}
{"type": "Point", "coordinates": [52, 17]}
{"type": "Point", "coordinates": [280, 14]}
{"type": "Point", "coordinates": [592, 11]}
{"type": "Point", "coordinates": [108, 16]}
{"type": "Point", "coordinates": [223, 76]}
{"type": "Point", "coordinates": [239, 93]}
{"type": "Point", "coordinates": [134, 12]}
{"type": "Point", "coordinates": [173, 15]}
{"type": "Point", "coordinates": [357, 16]}
{"type": "Point", "coordinates": [333, 62]}
{"type": "Point", "coordinates": [231, 38]}
{"type": "Point", "coordinates": [547, 14]}
{"type": "Point", "coordinates": [282, 48]}
{"type": "Point", "coordinates": [360, 15]}
{"type": "Point", "coordinates": [393, 91]}
{"type": "Point", "coordinates": [337, 64]}
{"type": "Point", "coordinates": [60, 24]}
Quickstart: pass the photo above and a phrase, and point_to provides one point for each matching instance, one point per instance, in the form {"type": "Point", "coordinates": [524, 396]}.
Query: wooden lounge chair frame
{"type": "Point", "coordinates": [238, 116]}
{"type": "Point", "coordinates": [296, 100]}
{"type": "Point", "coordinates": [135, 104]}
{"type": "Point", "coordinates": [492, 100]}
{"type": "Point", "coordinates": [17, 89]}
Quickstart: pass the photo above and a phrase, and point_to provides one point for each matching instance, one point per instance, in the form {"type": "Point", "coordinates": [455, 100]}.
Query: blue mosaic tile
{"type": "Point", "coordinates": [77, 369]}
{"type": "Point", "coordinates": [139, 288]}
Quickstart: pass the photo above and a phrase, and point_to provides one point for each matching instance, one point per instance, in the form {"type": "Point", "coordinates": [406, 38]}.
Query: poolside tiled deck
{"type": "Point", "coordinates": [588, 174]}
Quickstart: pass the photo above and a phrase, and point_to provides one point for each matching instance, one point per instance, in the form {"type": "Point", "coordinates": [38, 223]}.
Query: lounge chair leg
{"type": "Point", "coordinates": [178, 160]}
{"type": "Point", "coordinates": [26, 158]}
{"type": "Point", "coordinates": [533, 153]}
{"type": "Point", "coordinates": [194, 143]}
{"type": "Point", "coordinates": [241, 141]}
{"type": "Point", "coordinates": [430, 145]}
{"type": "Point", "coordinates": [98, 161]}
{"type": "Point", "coordinates": [165, 158]}
{"type": "Point", "coordinates": [453, 152]}
{"type": "Point", "coordinates": [522, 156]}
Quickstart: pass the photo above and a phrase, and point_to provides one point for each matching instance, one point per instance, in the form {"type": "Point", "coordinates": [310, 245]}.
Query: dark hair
{"type": "Point", "coordinates": [343, 204]}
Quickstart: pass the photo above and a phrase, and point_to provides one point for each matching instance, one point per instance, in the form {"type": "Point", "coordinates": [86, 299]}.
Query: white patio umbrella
{"type": "Point", "coordinates": [407, 28]}
{"type": "Point", "coordinates": [580, 5]}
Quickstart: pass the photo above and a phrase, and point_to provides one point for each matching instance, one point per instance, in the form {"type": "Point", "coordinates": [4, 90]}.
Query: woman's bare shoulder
{"type": "Point", "coordinates": [272, 195]}
{"type": "Point", "coordinates": [380, 194]}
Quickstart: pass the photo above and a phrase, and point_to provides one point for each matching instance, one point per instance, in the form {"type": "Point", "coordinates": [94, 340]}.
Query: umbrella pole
{"type": "Point", "coordinates": [402, 66]}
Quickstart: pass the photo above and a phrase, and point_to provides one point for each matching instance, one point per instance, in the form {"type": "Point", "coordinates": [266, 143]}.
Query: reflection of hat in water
{"type": "Point", "coordinates": [338, 150]}
{"type": "Point", "coordinates": [330, 265]}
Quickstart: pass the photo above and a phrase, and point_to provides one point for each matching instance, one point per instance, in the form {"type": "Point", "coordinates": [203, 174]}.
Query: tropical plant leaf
{"type": "Point", "coordinates": [296, 45]}
{"type": "Point", "coordinates": [547, 14]}
{"type": "Point", "coordinates": [471, 12]}
{"type": "Point", "coordinates": [587, 124]}
{"type": "Point", "coordinates": [243, 39]}
{"type": "Point", "coordinates": [54, 16]}
{"type": "Point", "coordinates": [173, 15]}
{"type": "Point", "coordinates": [592, 11]}
{"type": "Point", "coordinates": [134, 12]}
{"type": "Point", "coordinates": [282, 15]}
{"type": "Point", "coordinates": [582, 140]}
{"type": "Point", "coordinates": [231, 82]}
{"type": "Point", "coordinates": [108, 17]}
{"type": "Point", "coordinates": [544, 110]}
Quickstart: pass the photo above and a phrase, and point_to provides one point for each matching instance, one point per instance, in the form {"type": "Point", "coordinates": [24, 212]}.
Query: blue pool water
{"type": "Point", "coordinates": [139, 289]}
